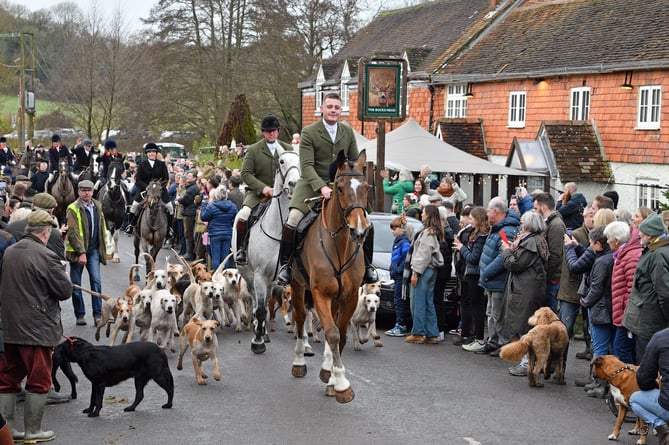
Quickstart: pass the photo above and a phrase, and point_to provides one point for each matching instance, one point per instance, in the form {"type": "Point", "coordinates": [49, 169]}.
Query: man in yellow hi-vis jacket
{"type": "Point", "coordinates": [85, 246]}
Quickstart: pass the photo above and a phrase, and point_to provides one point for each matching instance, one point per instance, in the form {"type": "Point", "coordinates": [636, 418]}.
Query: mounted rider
{"type": "Point", "coordinates": [320, 145]}
{"type": "Point", "coordinates": [258, 171]}
{"type": "Point", "coordinates": [111, 154]}
{"type": "Point", "coordinates": [150, 169]}
{"type": "Point", "coordinates": [58, 151]}
{"type": "Point", "coordinates": [7, 158]}
{"type": "Point", "coordinates": [84, 155]}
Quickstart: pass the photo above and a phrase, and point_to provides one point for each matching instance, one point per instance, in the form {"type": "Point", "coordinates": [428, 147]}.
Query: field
{"type": "Point", "coordinates": [9, 105]}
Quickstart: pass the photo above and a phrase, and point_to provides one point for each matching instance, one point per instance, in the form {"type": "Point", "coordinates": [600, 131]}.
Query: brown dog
{"type": "Point", "coordinates": [547, 344]}
{"type": "Point", "coordinates": [201, 337]}
{"type": "Point", "coordinates": [622, 383]}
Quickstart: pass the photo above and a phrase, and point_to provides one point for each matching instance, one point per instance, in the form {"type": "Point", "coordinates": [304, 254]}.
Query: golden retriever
{"type": "Point", "coordinates": [546, 343]}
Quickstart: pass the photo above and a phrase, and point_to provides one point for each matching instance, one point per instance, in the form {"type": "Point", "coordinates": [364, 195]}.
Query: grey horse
{"type": "Point", "coordinates": [263, 245]}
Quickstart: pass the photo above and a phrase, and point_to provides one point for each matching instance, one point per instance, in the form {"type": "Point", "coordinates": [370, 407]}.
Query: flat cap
{"type": "Point", "coordinates": [86, 184]}
{"type": "Point", "coordinates": [38, 218]}
{"type": "Point", "coordinates": [44, 201]}
{"type": "Point", "coordinates": [22, 178]}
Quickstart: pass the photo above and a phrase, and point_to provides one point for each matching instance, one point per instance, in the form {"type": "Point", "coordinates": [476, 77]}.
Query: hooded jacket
{"type": "Point", "coordinates": [491, 267]}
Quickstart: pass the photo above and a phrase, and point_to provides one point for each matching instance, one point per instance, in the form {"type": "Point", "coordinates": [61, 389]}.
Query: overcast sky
{"type": "Point", "coordinates": [133, 10]}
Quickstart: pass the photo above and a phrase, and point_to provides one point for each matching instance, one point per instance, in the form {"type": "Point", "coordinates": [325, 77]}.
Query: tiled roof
{"type": "Point", "coordinates": [577, 152]}
{"type": "Point", "coordinates": [430, 27]}
{"type": "Point", "coordinates": [571, 36]}
{"type": "Point", "coordinates": [467, 135]}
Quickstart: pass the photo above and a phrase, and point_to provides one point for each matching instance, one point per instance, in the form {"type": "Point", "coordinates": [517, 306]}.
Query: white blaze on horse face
{"type": "Point", "coordinates": [361, 223]}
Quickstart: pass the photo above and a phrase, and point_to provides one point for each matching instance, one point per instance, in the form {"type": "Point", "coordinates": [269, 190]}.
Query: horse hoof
{"type": "Point", "coordinates": [308, 352]}
{"type": "Point", "coordinates": [330, 391]}
{"type": "Point", "coordinates": [266, 338]}
{"type": "Point", "coordinates": [116, 260]}
{"type": "Point", "coordinates": [258, 348]}
{"type": "Point", "coordinates": [299, 371]}
{"type": "Point", "coordinates": [324, 375]}
{"type": "Point", "coordinates": [345, 396]}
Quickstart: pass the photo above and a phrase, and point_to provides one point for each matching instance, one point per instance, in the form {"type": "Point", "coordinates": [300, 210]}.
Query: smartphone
{"type": "Point", "coordinates": [503, 236]}
{"type": "Point", "coordinates": [569, 233]}
{"type": "Point", "coordinates": [518, 191]}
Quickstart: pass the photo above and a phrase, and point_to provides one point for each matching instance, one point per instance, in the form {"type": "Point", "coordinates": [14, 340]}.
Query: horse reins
{"type": "Point", "coordinates": [345, 265]}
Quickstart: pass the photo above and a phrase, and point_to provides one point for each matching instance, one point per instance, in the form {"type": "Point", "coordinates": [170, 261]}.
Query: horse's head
{"type": "Point", "coordinates": [63, 167]}
{"type": "Point", "coordinates": [288, 172]}
{"type": "Point", "coordinates": [350, 193]}
{"type": "Point", "coordinates": [153, 193]}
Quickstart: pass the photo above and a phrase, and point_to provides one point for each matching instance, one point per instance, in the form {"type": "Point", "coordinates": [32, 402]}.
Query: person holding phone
{"type": "Point", "coordinates": [399, 185]}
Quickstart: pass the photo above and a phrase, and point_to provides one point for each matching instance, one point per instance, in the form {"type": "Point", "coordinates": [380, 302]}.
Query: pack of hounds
{"type": "Point", "coordinates": [201, 301]}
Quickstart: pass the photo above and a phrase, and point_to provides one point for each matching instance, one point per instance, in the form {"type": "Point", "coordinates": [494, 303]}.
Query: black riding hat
{"type": "Point", "coordinates": [151, 147]}
{"type": "Point", "coordinates": [270, 123]}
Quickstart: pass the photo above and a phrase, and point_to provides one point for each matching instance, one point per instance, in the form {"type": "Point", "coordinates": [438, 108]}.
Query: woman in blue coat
{"type": "Point", "coordinates": [220, 214]}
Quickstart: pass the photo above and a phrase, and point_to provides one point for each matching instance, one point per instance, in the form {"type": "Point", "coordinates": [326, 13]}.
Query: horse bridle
{"type": "Point", "coordinates": [283, 176]}
{"type": "Point", "coordinates": [345, 265]}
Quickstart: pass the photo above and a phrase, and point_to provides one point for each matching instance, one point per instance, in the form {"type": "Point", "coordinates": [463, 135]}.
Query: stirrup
{"type": "Point", "coordinates": [285, 275]}
{"type": "Point", "coordinates": [371, 276]}
{"type": "Point", "coordinates": [240, 257]}
{"type": "Point", "coordinates": [129, 229]}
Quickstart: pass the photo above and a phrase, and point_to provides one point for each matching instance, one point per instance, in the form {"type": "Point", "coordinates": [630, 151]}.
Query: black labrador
{"type": "Point", "coordinates": [110, 365]}
{"type": "Point", "coordinates": [59, 361]}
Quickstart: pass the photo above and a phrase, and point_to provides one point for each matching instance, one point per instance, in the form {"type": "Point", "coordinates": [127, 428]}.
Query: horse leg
{"type": "Point", "coordinates": [259, 315]}
{"type": "Point", "coordinates": [335, 337]}
{"type": "Point", "coordinates": [114, 252]}
{"type": "Point", "coordinates": [299, 368]}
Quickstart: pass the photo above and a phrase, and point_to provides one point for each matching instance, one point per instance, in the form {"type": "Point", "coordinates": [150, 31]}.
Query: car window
{"type": "Point", "coordinates": [383, 236]}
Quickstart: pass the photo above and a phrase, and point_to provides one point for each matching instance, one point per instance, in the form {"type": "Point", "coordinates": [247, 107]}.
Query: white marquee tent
{"type": "Point", "coordinates": [412, 146]}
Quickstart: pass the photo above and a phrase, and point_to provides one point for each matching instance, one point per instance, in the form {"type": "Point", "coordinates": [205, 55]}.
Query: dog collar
{"type": "Point", "coordinates": [626, 367]}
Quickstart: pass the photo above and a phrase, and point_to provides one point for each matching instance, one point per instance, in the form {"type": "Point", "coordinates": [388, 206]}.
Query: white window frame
{"type": "Point", "coordinates": [648, 193]}
{"type": "Point", "coordinates": [456, 101]}
{"type": "Point", "coordinates": [344, 88]}
{"type": "Point", "coordinates": [579, 104]}
{"type": "Point", "coordinates": [517, 109]}
{"type": "Point", "coordinates": [649, 109]}
{"type": "Point", "coordinates": [318, 87]}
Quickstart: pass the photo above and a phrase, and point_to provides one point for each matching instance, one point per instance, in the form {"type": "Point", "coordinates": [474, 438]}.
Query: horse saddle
{"type": "Point", "coordinates": [305, 223]}
{"type": "Point", "coordinates": [257, 212]}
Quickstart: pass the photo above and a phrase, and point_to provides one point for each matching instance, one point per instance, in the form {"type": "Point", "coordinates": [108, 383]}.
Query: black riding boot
{"type": "Point", "coordinates": [285, 253]}
{"type": "Point", "coordinates": [240, 255]}
{"type": "Point", "coordinates": [170, 228]}
{"type": "Point", "coordinates": [368, 249]}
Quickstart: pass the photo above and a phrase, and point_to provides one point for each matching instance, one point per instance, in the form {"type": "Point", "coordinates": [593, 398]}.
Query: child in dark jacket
{"type": "Point", "coordinates": [397, 259]}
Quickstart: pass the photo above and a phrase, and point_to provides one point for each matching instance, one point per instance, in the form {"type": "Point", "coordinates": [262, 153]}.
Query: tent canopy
{"type": "Point", "coordinates": [412, 146]}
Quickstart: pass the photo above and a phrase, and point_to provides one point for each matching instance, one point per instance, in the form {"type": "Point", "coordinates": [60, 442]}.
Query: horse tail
{"type": "Point", "coordinates": [130, 274]}
{"type": "Point", "coordinates": [513, 352]}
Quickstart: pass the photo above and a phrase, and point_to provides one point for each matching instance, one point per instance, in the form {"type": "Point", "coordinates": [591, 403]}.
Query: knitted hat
{"type": "Point", "coordinates": [44, 201]}
{"type": "Point", "coordinates": [653, 225]}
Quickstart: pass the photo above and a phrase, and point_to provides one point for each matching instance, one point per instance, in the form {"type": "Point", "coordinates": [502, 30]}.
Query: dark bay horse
{"type": "Point", "coordinates": [331, 266]}
{"type": "Point", "coordinates": [113, 199]}
{"type": "Point", "coordinates": [63, 190]}
{"type": "Point", "coordinates": [152, 223]}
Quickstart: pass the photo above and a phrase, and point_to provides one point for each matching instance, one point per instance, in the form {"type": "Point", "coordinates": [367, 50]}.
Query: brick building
{"type": "Point", "coordinates": [572, 88]}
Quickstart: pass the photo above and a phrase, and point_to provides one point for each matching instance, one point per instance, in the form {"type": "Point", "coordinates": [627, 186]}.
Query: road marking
{"type": "Point", "coordinates": [359, 377]}
{"type": "Point", "coordinates": [471, 441]}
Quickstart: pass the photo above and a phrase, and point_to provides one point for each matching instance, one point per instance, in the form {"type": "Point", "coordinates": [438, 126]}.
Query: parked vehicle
{"type": "Point", "coordinates": [383, 246]}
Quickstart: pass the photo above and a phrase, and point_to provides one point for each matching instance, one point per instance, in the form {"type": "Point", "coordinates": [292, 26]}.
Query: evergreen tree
{"type": "Point", "coordinates": [239, 124]}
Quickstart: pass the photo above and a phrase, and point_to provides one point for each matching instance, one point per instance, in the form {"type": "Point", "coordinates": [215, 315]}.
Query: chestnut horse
{"type": "Point", "coordinates": [331, 266]}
